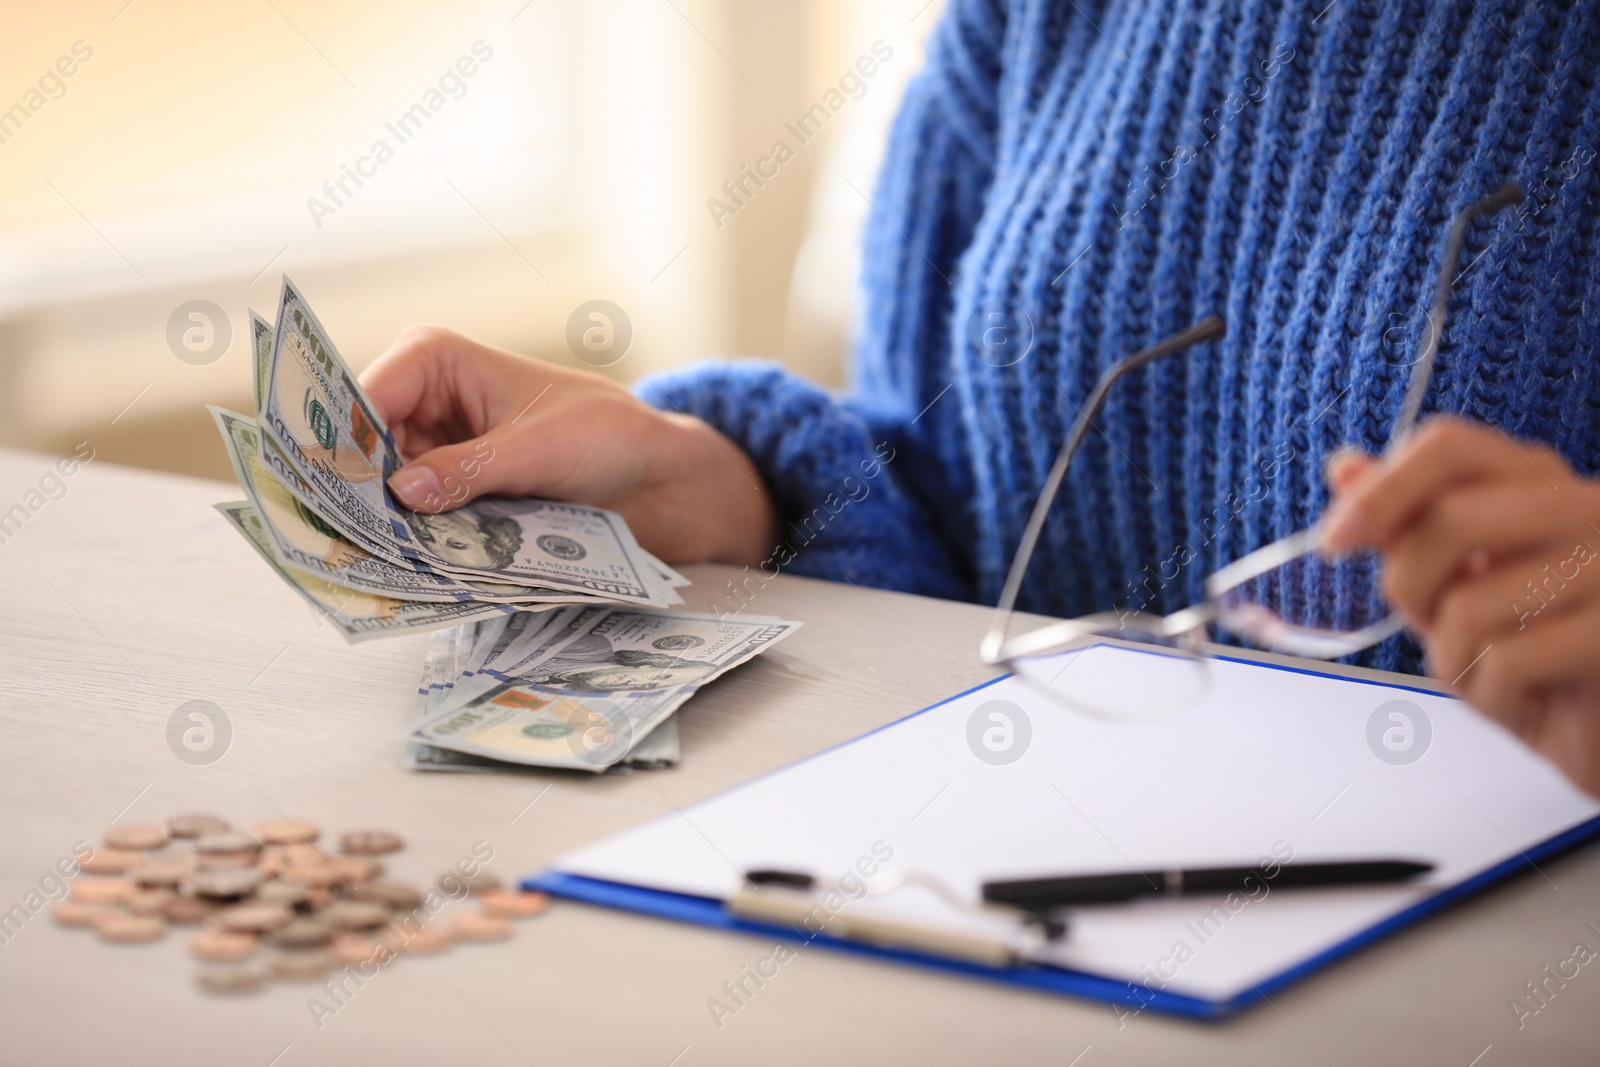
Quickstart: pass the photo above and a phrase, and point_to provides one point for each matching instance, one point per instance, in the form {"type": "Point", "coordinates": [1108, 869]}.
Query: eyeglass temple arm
{"type": "Point", "coordinates": [1422, 370]}
{"type": "Point", "coordinates": [1209, 328]}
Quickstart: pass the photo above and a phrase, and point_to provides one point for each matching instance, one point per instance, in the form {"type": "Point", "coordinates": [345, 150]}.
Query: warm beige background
{"type": "Point", "coordinates": [178, 161]}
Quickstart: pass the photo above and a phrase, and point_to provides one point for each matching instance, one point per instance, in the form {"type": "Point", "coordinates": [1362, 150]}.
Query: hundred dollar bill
{"type": "Point", "coordinates": [551, 729]}
{"type": "Point", "coordinates": [260, 355]}
{"type": "Point", "coordinates": [661, 747]}
{"type": "Point", "coordinates": [358, 616]}
{"type": "Point", "coordinates": [326, 429]}
{"type": "Point", "coordinates": [304, 541]}
{"type": "Point", "coordinates": [494, 638]}
{"type": "Point", "coordinates": [565, 546]}
{"type": "Point", "coordinates": [484, 668]}
{"type": "Point", "coordinates": [590, 684]}
{"type": "Point", "coordinates": [636, 650]}
{"type": "Point", "coordinates": [439, 664]}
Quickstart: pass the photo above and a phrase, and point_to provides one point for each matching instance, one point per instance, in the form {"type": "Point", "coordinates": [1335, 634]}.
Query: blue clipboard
{"type": "Point", "coordinates": [710, 912]}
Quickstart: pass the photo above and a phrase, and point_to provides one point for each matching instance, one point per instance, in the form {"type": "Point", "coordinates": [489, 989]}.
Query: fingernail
{"type": "Point", "coordinates": [414, 485]}
{"type": "Point", "coordinates": [1337, 460]}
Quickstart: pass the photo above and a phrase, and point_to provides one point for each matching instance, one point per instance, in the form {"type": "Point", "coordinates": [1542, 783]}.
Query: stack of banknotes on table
{"type": "Point", "coordinates": [558, 653]}
{"type": "Point", "coordinates": [584, 687]}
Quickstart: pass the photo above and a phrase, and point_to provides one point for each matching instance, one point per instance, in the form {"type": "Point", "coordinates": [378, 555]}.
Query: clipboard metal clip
{"type": "Point", "coordinates": [798, 900]}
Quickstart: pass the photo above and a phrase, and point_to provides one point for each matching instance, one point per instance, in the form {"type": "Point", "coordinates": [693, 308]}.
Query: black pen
{"type": "Point", "coordinates": [1039, 894]}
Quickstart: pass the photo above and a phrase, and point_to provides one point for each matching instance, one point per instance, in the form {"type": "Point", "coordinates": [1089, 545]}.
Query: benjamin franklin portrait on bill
{"type": "Point", "coordinates": [590, 665]}
{"type": "Point", "coordinates": [462, 539]}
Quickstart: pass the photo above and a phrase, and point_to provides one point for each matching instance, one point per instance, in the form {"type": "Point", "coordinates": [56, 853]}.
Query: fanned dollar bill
{"type": "Point", "coordinates": [260, 355]}
{"type": "Point", "coordinates": [303, 541]}
{"type": "Point", "coordinates": [358, 616]}
{"type": "Point", "coordinates": [330, 435]}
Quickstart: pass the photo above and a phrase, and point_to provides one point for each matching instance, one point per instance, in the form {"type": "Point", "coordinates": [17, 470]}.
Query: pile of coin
{"type": "Point", "coordinates": [273, 903]}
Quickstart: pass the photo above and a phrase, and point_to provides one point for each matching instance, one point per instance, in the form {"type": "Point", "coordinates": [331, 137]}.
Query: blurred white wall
{"type": "Point", "coordinates": [569, 152]}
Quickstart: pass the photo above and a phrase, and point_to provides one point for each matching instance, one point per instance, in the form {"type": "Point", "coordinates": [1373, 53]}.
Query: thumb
{"type": "Point", "coordinates": [1345, 467]}
{"type": "Point", "coordinates": [450, 475]}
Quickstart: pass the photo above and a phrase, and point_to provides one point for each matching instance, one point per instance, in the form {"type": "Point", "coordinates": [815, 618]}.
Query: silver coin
{"type": "Point", "coordinates": [228, 841]}
{"type": "Point", "coordinates": [165, 872]}
{"type": "Point", "coordinates": [354, 915]}
{"type": "Point", "coordinates": [302, 933]}
{"type": "Point", "coordinates": [223, 884]}
{"type": "Point", "coordinates": [195, 825]}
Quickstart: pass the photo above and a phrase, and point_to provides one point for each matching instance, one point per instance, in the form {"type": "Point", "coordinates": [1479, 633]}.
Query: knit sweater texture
{"type": "Point", "coordinates": [1069, 182]}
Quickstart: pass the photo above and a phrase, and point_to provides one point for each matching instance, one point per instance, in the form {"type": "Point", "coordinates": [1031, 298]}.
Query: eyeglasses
{"type": "Point", "coordinates": [1285, 597]}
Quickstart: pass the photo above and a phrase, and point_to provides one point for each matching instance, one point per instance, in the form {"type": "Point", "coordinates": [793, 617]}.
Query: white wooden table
{"type": "Point", "coordinates": [129, 596]}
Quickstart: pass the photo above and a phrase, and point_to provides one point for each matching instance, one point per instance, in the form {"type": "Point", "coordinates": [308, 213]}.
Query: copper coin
{"type": "Point", "coordinates": [196, 825]}
{"type": "Point", "coordinates": [454, 881]}
{"type": "Point", "coordinates": [318, 896]}
{"type": "Point", "coordinates": [185, 911]}
{"type": "Point", "coordinates": [228, 841]}
{"type": "Point", "coordinates": [120, 926]}
{"type": "Point", "coordinates": [254, 917]}
{"type": "Point", "coordinates": [136, 837]}
{"type": "Point", "coordinates": [303, 856]}
{"type": "Point", "coordinates": [110, 861]}
{"type": "Point", "coordinates": [227, 883]}
{"type": "Point", "coordinates": [389, 894]}
{"type": "Point", "coordinates": [355, 868]}
{"type": "Point", "coordinates": [300, 965]}
{"type": "Point", "coordinates": [354, 915]}
{"type": "Point", "coordinates": [149, 901]}
{"type": "Point", "coordinates": [102, 890]}
{"type": "Point", "coordinates": [164, 871]}
{"type": "Point", "coordinates": [228, 979]}
{"type": "Point", "coordinates": [223, 945]}
{"type": "Point", "coordinates": [354, 948]}
{"type": "Point", "coordinates": [287, 832]}
{"type": "Point", "coordinates": [289, 894]}
{"type": "Point", "coordinates": [425, 942]}
{"type": "Point", "coordinates": [270, 861]}
{"type": "Point", "coordinates": [323, 874]}
{"type": "Point", "coordinates": [75, 913]}
{"type": "Point", "coordinates": [302, 933]}
{"type": "Point", "coordinates": [480, 928]}
{"type": "Point", "coordinates": [370, 843]}
{"type": "Point", "coordinates": [506, 905]}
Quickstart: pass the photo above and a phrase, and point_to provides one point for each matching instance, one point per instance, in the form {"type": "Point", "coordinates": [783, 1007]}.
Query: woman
{"type": "Point", "coordinates": [1069, 182]}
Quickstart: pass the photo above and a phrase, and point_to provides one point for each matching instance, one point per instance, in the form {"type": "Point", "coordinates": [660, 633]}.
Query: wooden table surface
{"type": "Point", "coordinates": [128, 597]}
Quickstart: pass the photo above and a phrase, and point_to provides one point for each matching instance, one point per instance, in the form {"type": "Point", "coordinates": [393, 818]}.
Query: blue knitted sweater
{"type": "Point", "coordinates": [1069, 182]}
